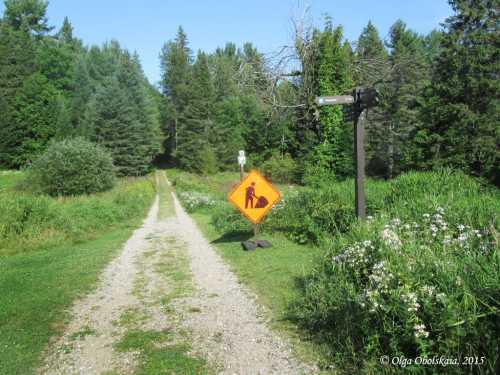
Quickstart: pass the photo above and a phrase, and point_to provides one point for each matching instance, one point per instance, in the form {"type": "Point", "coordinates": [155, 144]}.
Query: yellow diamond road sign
{"type": "Point", "coordinates": [254, 196]}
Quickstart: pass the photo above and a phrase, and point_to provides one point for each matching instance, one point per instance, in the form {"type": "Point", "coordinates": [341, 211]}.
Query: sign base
{"type": "Point", "coordinates": [253, 245]}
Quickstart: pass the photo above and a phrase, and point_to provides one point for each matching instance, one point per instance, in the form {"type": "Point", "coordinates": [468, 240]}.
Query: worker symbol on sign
{"type": "Point", "coordinates": [250, 195]}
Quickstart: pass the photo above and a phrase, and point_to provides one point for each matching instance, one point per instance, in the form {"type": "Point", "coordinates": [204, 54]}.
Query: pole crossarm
{"type": "Point", "coordinates": [333, 100]}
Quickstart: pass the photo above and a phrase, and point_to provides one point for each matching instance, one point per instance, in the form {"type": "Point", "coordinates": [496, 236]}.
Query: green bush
{"type": "Point", "coordinates": [72, 167]}
{"type": "Point", "coordinates": [280, 169]}
{"type": "Point", "coordinates": [312, 214]}
{"type": "Point", "coordinates": [227, 219]}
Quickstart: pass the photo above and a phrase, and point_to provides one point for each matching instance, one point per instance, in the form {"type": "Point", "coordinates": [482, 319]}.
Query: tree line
{"type": "Point", "coordinates": [439, 98]}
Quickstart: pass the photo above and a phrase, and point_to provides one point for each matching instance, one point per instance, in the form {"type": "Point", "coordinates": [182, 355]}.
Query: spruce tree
{"type": "Point", "coordinates": [175, 62]}
{"type": "Point", "coordinates": [196, 128]}
{"type": "Point", "coordinates": [17, 63]}
{"type": "Point", "coordinates": [372, 69]}
{"type": "Point", "coordinates": [119, 118]}
{"type": "Point", "coordinates": [460, 120]}
{"type": "Point", "coordinates": [410, 75]}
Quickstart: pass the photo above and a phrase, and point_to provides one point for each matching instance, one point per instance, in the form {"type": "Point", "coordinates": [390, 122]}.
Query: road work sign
{"type": "Point", "coordinates": [254, 196]}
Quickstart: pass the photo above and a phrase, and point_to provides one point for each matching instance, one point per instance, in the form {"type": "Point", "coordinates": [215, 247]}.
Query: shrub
{"type": "Point", "coordinates": [72, 167]}
{"type": "Point", "coordinates": [280, 169]}
{"type": "Point", "coordinates": [208, 161]}
{"type": "Point", "coordinates": [312, 214]}
{"type": "Point", "coordinates": [227, 219]}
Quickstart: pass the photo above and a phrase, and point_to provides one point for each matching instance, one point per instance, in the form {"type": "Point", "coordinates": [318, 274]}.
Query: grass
{"type": "Point", "coordinates": [166, 208]}
{"type": "Point", "coordinates": [32, 221]}
{"type": "Point", "coordinates": [43, 271]}
{"type": "Point", "coordinates": [158, 356]}
{"type": "Point", "coordinates": [38, 287]}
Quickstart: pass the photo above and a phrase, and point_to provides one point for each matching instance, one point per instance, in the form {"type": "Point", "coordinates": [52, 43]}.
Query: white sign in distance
{"type": "Point", "coordinates": [242, 158]}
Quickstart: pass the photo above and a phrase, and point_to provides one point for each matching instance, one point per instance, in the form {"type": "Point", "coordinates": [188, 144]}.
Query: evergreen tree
{"type": "Point", "coordinates": [175, 61]}
{"type": "Point", "coordinates": [195, 132]}
{"type": "Point", "coordinates": [38, 117]}
{"type": "Point", "coordinates": [119, 118]}
{"type": "Point", "coordinates": [27, 15]}
{"type": "Point", "coordinates": [460, 120]}
{"type": "Point", "coordinates": [410, 74]}
{"type": "Point", "coordinates": [17, 63]}
{"type": "Point", "coordinates": [372, 65]}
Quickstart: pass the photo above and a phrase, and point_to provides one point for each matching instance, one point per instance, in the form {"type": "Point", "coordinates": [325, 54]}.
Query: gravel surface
{"type": "Point", "coordinates": [229, 329]}
{"type": "Point", "coordinates": [225, 324]}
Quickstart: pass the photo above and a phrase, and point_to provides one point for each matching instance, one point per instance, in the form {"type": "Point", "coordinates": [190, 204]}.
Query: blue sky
{"type": "Point", "coordinates": [144, 26]}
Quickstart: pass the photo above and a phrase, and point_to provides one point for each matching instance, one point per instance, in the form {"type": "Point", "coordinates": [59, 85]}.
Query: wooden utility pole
{"type": "Point", "coordinates": [359, 160]}
{"type": "Point", "coordinates": [362, 100]}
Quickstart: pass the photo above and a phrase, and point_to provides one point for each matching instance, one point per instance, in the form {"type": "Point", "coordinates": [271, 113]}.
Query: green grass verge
{"type": "Point", "coordinates": [51, 252]}
{"type": "Point", "coordinates": [36, 290]}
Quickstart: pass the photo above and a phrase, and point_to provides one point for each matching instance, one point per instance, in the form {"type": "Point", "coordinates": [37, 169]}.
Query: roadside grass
{"type": "Point", "coordinates": [9, 179]}
{"type": "Point", "coordinates": [41, 275]}
{"type": "Point", "coordinates": [38, 287]}
{"type": "Point", "coordinates": [32, 221]}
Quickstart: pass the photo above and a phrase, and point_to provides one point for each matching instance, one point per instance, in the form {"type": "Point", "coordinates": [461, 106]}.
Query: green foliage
{"type": "Point", "coordinates": [334, 77]}
{"type": "Point", "coordinates": [420, 278]}
{"type": "Point", "coordinates": [39, 115]}
{"type": "Point", "coordinates": [460, 117]}
{"type": "Point", "coordinates": [208, 160]}
{"type": "Point", "coordinates": [27, 15]}
{"type": "Point", "coordinates": [32, 221]}
{"type": "Point", "coordinates": [120, 117]}
{"type": "Point", "coordinates": [280, 169]}
{"type": "Point", "coordinates": [72, 167]}
{"type": "Point", "coordinates": [194, 132]}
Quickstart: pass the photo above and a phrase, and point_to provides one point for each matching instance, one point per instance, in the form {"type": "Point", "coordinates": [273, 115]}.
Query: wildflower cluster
{"type": "Point", "coordinates": [420, 331]}
{"type": "Point", "coordinates": [379, 285]}
{"type": "Point", "coordinates": [357, 257]}
{"type": "Point", "coordinates": [193, 200]}
{"type": "Point", "coordinates": [410, 300]}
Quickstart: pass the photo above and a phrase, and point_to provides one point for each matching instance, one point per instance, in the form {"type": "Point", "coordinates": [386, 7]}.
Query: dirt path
{"type": "Point", "coordinates": [141, 289]}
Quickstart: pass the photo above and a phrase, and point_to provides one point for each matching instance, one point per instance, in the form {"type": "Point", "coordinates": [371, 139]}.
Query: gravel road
{"type": "Point", "coordinates": [225, 324]}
